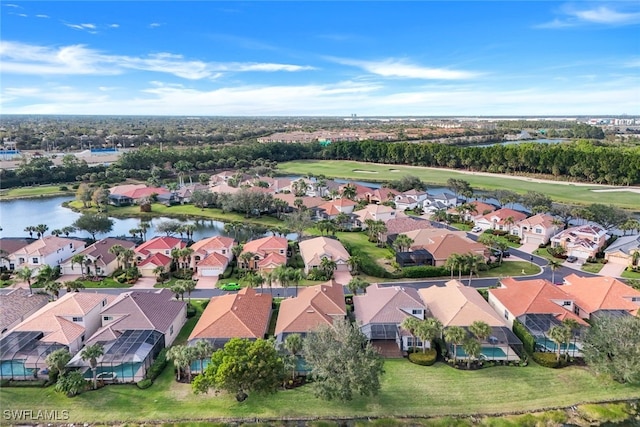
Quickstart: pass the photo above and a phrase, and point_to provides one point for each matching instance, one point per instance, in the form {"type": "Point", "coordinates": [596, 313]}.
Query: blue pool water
{"type": "Point", "coordinates": [14, 368]}
{"type": "Point", "coordinates": [126, 371]}
{"type": "Point", "coordinates": [487, 352]}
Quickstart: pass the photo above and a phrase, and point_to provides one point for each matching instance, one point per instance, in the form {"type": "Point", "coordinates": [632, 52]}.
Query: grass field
{"type": "Point", "coordinates": [407, 390]}
{"type": "Point", "coordinates": [561, 192]}
{"type": "Point", "coordinates": [37, 191]}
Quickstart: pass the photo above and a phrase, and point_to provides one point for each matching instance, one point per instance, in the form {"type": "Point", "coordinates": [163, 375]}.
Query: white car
{"type": "Point", "coordinates": [476, 229]}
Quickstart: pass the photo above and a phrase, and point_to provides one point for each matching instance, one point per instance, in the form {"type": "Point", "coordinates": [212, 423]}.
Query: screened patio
{"type": "Point", "coordinates": [538, 326]}
{"type": "Point", "coordinates": [22, 355]}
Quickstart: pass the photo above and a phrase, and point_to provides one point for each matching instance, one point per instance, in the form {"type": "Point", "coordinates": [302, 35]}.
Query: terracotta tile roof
{"type": "Point", "coordinates": [139, 193]}
{"type": "Point", "coordinates": [482, 207]}
{"type": "Point", "coordinates": [535, 296]}
{"type": "Point", "coordinates": [375, 209]}
{"type": "Point", "coordinates": [137, 310]}
{"type": "Point", "coordinates": [309, 202]}
{"type": "Point", "coordinates": [601, 293]}
{"type": "Point", "coordinates": [12, 244]}
{"type": "Point", "coordinates": [48, 245]}
{"type": "Point", "coordinates": [52, 318]}
{"type": "Point", "coordinates": [124, 189]}
{"type": "Point", "coordinates": [441, 243]}
{"type": "Point", "coordinates": [225, 188]}
{"type": "Point", "coordinates": [272, 260]}
{"type": "Point", "coordinates": [330, 209]}
{"type": "Point", "coordinates": [104, 334]}
{"type": "Point", "coordinates": [160, 243]}
{"type": "Point", "coordinates": [100, 249]}
{"type": "Point", "coordinates": [314, 306]}
{"type": "Point", "coordinates": [212, 244]}
{"type": "Point", "coordinates": [18, 304]}
{"type": "Point", "coordinates": [319, 246]}
{"type": "Point", "coordinates": [542, 219]}
{"type": "Point", "coordinates": [386, 304]}
{"type": "Point", "coordinates": [457, 305]}
{"type": "Point", "coordinates": [504, 213]}
{"type": "Point", "coordinates": [156, 259]}
{"type": "Point", "coordinates": [265, 245]}
{"type": "Point", "coordinates": [214, 259]}
{"type": "Point", "coordinates": [382, 194]}
{"type": "Point", "coordinates": [242, 315]}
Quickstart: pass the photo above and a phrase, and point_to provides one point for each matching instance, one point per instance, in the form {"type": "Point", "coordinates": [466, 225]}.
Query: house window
{"type": "Point", "coordinates": [506, 314]}
{"type": "Point", "coordinates": [566, 303]}
{"type": "Point", "coordinates": [20, 260]}
{"type": "Point", "coordinates": [70, 245]}
{"type": "Point", "coordinates": [576, 310]}
{"type": "Point", "coordinates": [416, 311]}
{"type": "Point", "coordinates": [538, 230]}
{"type": "Point", "coordinates": [167, 252]}
{"type": "Point", "coordinates": [281, 251]}
{"type": "Point", "coordinates": [107, 318]}
{"type": "Point", "coordinates": [104, 302]}
{"type": "Point", "coordinates": [635, 299]}
{"type": "Point", "coordinates": [171, 330]}
{"type": "Point", "coordinates": [34, 260]}
{"type": "Point", "coordinates": [224, 251]}
{"type": "Point", "coordinates": [76, 319]}
{"type": "Point", "coordinates": [82, 338]}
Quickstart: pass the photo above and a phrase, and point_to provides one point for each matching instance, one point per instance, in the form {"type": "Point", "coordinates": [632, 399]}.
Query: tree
{"type": "Point", "coordinates": [73, 285]}
{"type": "Point", "coordinates": [455, 335]}
{"type": "Point", "coordinates": [455, 261]}
{"type": "Point", "coordinates": [349, 191]}
{"type": "Point", "coordinates": [92, 353]}
{"type": "Point", "coordinates": [24, 275]}
{"type": "Point", "coordinates": [607, 216]}
{"type": "Point", "coordinates": [299, 221]}
{"type": "Point", "coordinates": [295, 277]}
{"type": "Point", "coordinates": [182, 357]}
{"type": "Point", "coordinates": [188, 286]}
{"type": "Point", "coordinates": [53, 288]}
{"type": "Point", "coordinates": [100, 198]}
{"type": "Point", "coordinates": [57, 360]}
{"type": "Point", "coordinates": [354, 262]}
{"type": "Point", "coordinates": [428, 330]}
{"type": "Point", "coordinates": [480, 329]}
{"type": "Point", "coordinates": [83, 194]}
{"type": "Point", "coordinates": [559, 335]}
{"type": "Point", "coordinates": [357, 284]}
{"type": "Point", "coordinates": [40, 229]}
{"type": "Point", "coordinates": [242, 367]}
{"type": "Point", "coordinates": [572, 327]}
{"type": "Point", "coordinates": [411, 324]}
{"type": "Point", "coordinates": [360, 364]}
{"type": "Point", "coordinates": [553, 266]}
{"type": "Point", "coordinates": [68, 230]}
{"type": "Point", "coordinates": [169, 227]}
{"type": "Point", "coordinates": [327, 266]}
{"type": "Point", "coordinates": [94, 223]}
{"type": "Point", "coordinates": [473, 261]}
{"type": "Point", "coordinates": [178, 289]}
{"type": "Point", "coordinates": [202, 349]}
{"type": "Point", "coordinates": [293, 344]}
{"type": "Point", "coordinates": [472, 347]}
{"type": "Point", "coordinates": [402, 243]}
{"type": "Point", "coordinates": [610, 346]}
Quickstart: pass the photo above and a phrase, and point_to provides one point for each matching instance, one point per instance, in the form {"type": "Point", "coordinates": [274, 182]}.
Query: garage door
{"type": "Point", "coordinates": [617, 259]}
{"type": "Point", "coordinates": [210, 272]}
{"type": "Point", "coordinates": [534, 239]}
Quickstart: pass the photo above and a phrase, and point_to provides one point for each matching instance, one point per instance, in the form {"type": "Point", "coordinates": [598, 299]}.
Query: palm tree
{"type": "Point", "coordinates": [92, 353]}
{"type": "Point", "coordinates": [428, 330]}
{"type": "Point", "coordinates": [78, 259]}
{"type": "Point", "coordinates": [572, 326]}
{"type": "Point", "coordinates": [281, 274]}
{"type": "Point", "coordinates": [182, 357]}
{"type": "Point", "coordinates": [115, 250]}
{"type": "Point", "coordinates": [24, 275]}
{"type": "Point", "coordinates": [354, 262]}
{"type": "Point", "coordinates": [411, 324]}
{"type": "Point", "coordinates": [480, 329]}
{"type": "Point", "coordinates": [202, 350]}
{"type": "Point", "coordinates": [440, 215]}
{"type": "Point", "coordinates": [455, 335]}
{"type": "Point", "coordinates": [189, 229]}
{"type": "Point", "coordinates": [158, 272]}
{"type": "Point", "coordinates": [454, 261]}
{"type": "Point", "coordinates": [268, 279]}
{"type": "Point", "coordinates": [57, 360]}
{"type": "Point", "coordinates": [56, 232]}
{"type": "Point", "coordinates": [559, 335]}
{"type": "Point", "coordinates": [295, 277]}
{"type": "Point", "coordinates": [40, 229]}
{"type": "Point", "coordinates": [472, 347]}
{"type": "Point", "coordinates": [246, 258]}
{"type": "Point", "coordinates": [472, 261]}
{"type": "Point", "coordinates": [356, 284]}
{"type": "Point", "coordinates": [293, 344]}
{"type": "Point", "coordinates": [185, 254]}
{"type": "Point", "coordinates": [553, 266]}
{"type": "Point", "coordinates": [53, 288]}
{"type": "Point", "coordinates": [30, 229]}
{"type": "Point", "coordinates": [68, 230]}
{"type": "Point", "coordinates": [349, 191]}
{"type": "Point", "coordinates": [46, 274]}
{"type": "Point", "coordinates": [175, 256]}
{"type": "Point", "coordinates": [253, 279]}
{"type": "Point", "coordinates": [402, 243]}
{"type": "Point", "coordinates": [189, 286]}
{"type": "Point", "coordinates": [73, 285]}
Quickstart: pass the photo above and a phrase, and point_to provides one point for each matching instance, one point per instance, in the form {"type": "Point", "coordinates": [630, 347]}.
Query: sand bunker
{"type": "Point", "coordinates": [607, 190]}
{"type": "Point", "coordinates": [363, 171]}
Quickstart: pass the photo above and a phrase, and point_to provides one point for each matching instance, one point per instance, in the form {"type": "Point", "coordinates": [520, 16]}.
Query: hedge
{"type": "Point", "coordinates": [427, 358]}
{"type": "Point", "coordinates": [548, 360]}
{"type": "Point", "coordinates": [527, 339]}
{"type": "Point", "coordinates": [157, 366]}
{"type": "Point", "coordinates": [145, 383]}
{"type": "Point", "coordinates": [424, 271]}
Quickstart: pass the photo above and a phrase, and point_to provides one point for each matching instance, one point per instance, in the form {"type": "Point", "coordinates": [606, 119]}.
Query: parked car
{"type": "Point", "coordinates": [572, 258]}
{"type": "Point", "coordinates": [230, 287]}
{"type": "Point", "coordinates": [476, 229]}
{"type": "Point", "coordinates": [496, 253]}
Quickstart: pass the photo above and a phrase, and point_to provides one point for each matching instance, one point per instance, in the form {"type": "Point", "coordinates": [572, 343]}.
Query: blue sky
{"type": "Point", "coordinates": [370, 58]}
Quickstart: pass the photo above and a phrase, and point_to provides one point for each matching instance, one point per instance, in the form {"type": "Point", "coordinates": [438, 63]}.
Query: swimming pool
{"type": "Point", "coordinates": [485, 352]}
{"type": "Point", "coordinates": [124, 372]}
{"type": "Point", "coordinates": [14, 369]}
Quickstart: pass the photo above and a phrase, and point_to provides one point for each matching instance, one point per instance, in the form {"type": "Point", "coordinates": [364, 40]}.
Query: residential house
{"type": "Point", "coordinates": [536, 229]}
{"type": "Point", "coordinates": [441, 243]}
{"type": "Point", "coordinates": [502, 219]}
{"type": "Point", "coordinates": [16, 306]}
{"type": "Point", "coordinates": [9, 245]}
{"type": "Point", "coordinates": [538, 305]}
{"type": "Point", "coordinates": [314, 250]}
{"type": "Point", "coordinates": [479, 209]}
{"type": "Point", "coordinates": [97, 257]}
{"type": "Point", "coordinates": [159, 245]}
{"type": "Point", "coordinates": [624, 251]}
{"type": "Point", "coordinates": [375, 213]}
{"type": "Point", "coordinates": [599, 295]}
{"type": "Point", "coordinates": [70, 320]}
{"type": "Point", "coordinates": [268, 253]}
{"type": "Point", "coordinates": [135, 327]}
{"type": "Point", "coordinates": [445, 199]}
{"type": "Point", "coordinates": [245, 314]}
{"type": "Point", "coordinates": [223, 188]}
{"type": "Point", "coordinates": [308, 202]}
{"type": "Point", "coordinates": [184, 193]}
{"type": "Point", "coordinates": [582, 241]}
{"type": "Point", "coordinates": [457, 305]}
{"type": "Point", "coordinates": [403, 223]}
{"type": "Point", "coordinates": [410, 199]}
{"type": "Point", "coordinates": [314, 306]}
{"type": "Point", "coordinates": [361, 190]}
{"type": "Point", "coordinates": [134, 192]}
{"type": "Point", "coordinates": [333, 208]}
{"type": "Point", "coordinates": [211, 256]}
{"type": "Point", "coordinates": [381, 195]}
{"type": "Point", "coordinates": [149, 267]}
{"type": "Point", "coordinates": [48, 250]}
{"type": "Point", "coordinates": [381, 310]}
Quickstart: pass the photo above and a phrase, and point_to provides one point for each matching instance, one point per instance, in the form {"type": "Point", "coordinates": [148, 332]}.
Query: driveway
{"type": "Point", "coordinates": [144, 283]}
{"type": "Point", "coordinates": [528, 247]}
{"type": "Point", "coordinates": [612, 270]}
{"type": "Point", "coordinates": [342, 277]}
{"type": "Point", "coordinates": [207, 282]}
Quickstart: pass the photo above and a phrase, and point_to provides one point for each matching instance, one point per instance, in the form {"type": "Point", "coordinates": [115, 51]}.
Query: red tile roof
{"type": "Point", "coordinates": [160, 243]}
{"type": "Point", "coordinates": [157, 260]}
{"type": "Point", "coordinates": [601, 293]}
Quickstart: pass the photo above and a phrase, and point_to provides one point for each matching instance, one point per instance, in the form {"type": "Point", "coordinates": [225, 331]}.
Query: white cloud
{"type": "Point", "coordinates": [42, 16]}
{"type": "Point", "coordinates": [114, 26]}
{"type": "Point", "coordinates": [21, 58]}
{"type": "Point", "coordinates": [154, 25]}
{"type": "Point", "coordinates": [12, 5]}
{"type": "Point", "coordinates": [403, 69]}
{"type": "Point", "coordinates": [90, 28]}
{"type": "Point", "coordinates": [601, 15]}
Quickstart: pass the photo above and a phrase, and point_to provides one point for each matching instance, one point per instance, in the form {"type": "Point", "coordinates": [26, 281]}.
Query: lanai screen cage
{"type": "Point", "coordinates": [125, 359]}
{"type": "Point", "coordinates": [22, 355]}
{"type": "Point", "coordinates": [502, 344]}
{"type": "Point", "coordinates": [538, 326]}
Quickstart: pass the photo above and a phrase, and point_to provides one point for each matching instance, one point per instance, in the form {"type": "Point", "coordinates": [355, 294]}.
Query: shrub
{"type": "Point", "coordinates": [527, 339]}
{"type": "Point", "coordinates": [71, 383]}
{"type": "Point", "coordinates": [548, 360]}
{"type": "Point", "coordinates": [63, 188]}
{"type": "Point", "coordinates": [512, 238]}
{"type": "Point", "coordinates": [427, 358]}
{"type": "Point", "coordinates": [191, 311]}
{"type": "Point", "coordinates": [5, 276]}
{"type": "Point", "coordinates": [145, 383]}
{"type": "Point", "coordinates": [424, 271]}
{"type": "Point", "coordinates": [205, 304]}
{"type": "Point", "coordinates": [157, 366]}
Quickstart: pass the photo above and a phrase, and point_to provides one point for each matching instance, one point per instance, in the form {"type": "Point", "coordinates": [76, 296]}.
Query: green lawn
{"type": "Point", "coordinates": [37, 191]}
{"type": "Point", "coordinates": [630, 274]}
{"type": "Point", "coordinates": [511, 268]}
{"type": "Point", "coordinates": [592, 267]}
{"type": "Point", "coordinates": [407, 390]}
{"type": "Point", "coordinates": [571, 193]}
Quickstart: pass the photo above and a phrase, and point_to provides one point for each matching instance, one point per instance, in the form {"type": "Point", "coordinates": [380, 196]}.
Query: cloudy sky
{"type": "Point", "coordinates": [371, 58]}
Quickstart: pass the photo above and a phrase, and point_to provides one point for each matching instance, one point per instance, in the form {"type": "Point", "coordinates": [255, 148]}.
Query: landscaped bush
{"type": "Point", "coordinates": [157, 366]}
{"type": "Point", "coordinates": [5, 276]}
{"type": "Point", "coordinates": [427, 358]}
{"type": "Point", "coordinates": [548, 360]}
{"type": "Point", "coordinates": [145, 383]}
{"type": "Point", "coordinates": [191, 311]}
{"type": "Point", "coordinates": [424, 271]}
{"type": "Point", "coordinates": [512, 238]}
{"type": "Point", "coordinates": [63, 188]}
{"type": "Point", "coordinates": [527, 339]}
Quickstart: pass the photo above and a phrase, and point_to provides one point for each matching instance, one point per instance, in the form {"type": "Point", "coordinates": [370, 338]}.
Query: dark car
{"type": "Point", "coordinates": [230, 287]}
{"type": "Point", "coordinates": [496, 253]}
{"type": "Point", "coordinates": [572, 258]}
